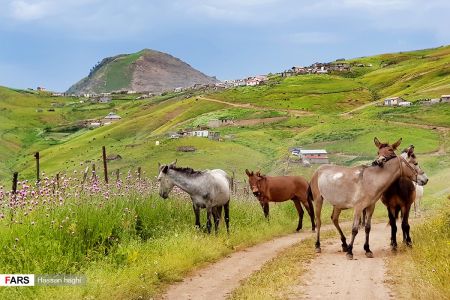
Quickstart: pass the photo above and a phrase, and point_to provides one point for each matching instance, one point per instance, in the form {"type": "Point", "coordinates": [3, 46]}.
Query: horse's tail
{"type": "Point", "coordinates": [310, 196]}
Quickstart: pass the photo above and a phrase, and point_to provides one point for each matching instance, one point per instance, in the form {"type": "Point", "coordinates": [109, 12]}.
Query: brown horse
{"type": "Point", "coordinates": [279, 189]}
{"type": "Point", "coordinates": [400, 196]}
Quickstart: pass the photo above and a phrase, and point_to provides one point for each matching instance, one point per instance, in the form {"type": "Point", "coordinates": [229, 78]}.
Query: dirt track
{"type": "Point", "coordinates": [218, 280]}
{"type": "Point", "coordinates": [332, 276]}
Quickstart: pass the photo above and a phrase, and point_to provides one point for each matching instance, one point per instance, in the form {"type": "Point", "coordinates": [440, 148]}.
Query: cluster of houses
{"type": "Point", "coordinates": [317, 68]}
{"type": "Point", "coordinates": [108, 119]}
{"type": "Point", "coordinates": [314, 156]}
{"type": "Point", "coordinates": [398, 101]}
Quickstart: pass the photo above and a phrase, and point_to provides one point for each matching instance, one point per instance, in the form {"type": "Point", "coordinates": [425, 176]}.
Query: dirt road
{"type": "Point", "coordinates": [293, 112]}
{"type": "Point", "coordinates": [218, 280]}
{"type": "Point", "coordinates": [332, 276]}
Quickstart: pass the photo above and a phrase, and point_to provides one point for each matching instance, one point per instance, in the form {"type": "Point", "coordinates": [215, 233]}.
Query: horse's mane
{"type": "Point", "coordinates": [186, 171]}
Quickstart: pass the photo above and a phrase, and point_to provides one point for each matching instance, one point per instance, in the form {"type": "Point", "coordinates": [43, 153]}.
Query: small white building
{"type": "Point", "coordinates": [199, 133]}
{"type": "Point", "coordinates": [393, 101]}
{"type": "Point", "coordinates": [404, 103]}
{"type": "Point", "coordinates": [178, 89]}
{"type": "Point", "coordinates": [445, 98]}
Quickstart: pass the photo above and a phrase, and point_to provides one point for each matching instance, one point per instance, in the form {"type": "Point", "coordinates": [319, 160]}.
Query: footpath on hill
{"type": "Point", "coordinates": [294, 112]}
{"type": "Point", "coordinates": [330, 274]}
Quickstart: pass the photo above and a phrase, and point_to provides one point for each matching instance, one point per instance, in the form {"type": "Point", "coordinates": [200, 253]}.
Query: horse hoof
{"type": "Point", "coordinates": [313, 230]}
{"type": "Point", "coordinates": [369, 254]}
{"type": "Point", "coordinates": [349, 256]}
{"type": "Point", "coordinates": [394, 248]}
{"type": "Point", "coordinates": [318, 250]}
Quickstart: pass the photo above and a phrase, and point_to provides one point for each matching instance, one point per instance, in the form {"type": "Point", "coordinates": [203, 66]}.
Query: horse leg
{"type": "Point", "coordinates": [227, 215]}
{"type": "Point", "coordinates": [335, 218]}
{"type": "Point", "coordinates": [369, 211]}
{"type": "Point", "coordinates": [208, 219]}
{"type": "Point", "coordinates": [362, 221]}
{"type": "Point", "coordinates": [217, 213]}
{"type": "Point", "coordinates": [405, 225]}
{"type": "Point", "coordinates": [310, 209]}
{"type": "Point", "coordinates": [393, 224]}
{"type": "Point", "coordinates": [197, 215]}
{"type": "Point", "coordinates": [265, 207]}
{"type": "Point", "coordinates": [300, 213]}
{"type": "Point", "coordinates": [318, 204]}
{"type": "Point", "coordinates": [356, 216]}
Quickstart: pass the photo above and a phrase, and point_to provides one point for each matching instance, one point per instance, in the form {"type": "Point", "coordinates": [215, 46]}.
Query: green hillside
{"type": "Point", "coordinates": [65, 145]}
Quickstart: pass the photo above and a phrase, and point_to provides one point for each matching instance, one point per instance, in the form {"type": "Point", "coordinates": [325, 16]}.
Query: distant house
{"type": "Point", "coordinates": [112, 117]}
{"type": "Point", "coordinates": [404, 103]}
{"type": "Point", "coordinates": [40, 88]}
{"type": "Point", "coordinates": [319, 156]}
{"type": "Point", "coordinates": [199, 133]}
{"type": "Point", "coordinates": [445, 98]}
{"type": "Point", "coordinates": [393, 101]}
{"type": "Point", "coordinates": [131, 92]}
{"type": "Point", "coordinates": [95, 124]}
{"type": "Point", "coordinates": [173, 135]}
{"type": "Point", "coordinates": [178, 89]}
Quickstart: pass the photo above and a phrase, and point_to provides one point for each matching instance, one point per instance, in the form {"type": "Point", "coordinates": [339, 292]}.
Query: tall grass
{"type": "Point", "coordinates": [139, 242]}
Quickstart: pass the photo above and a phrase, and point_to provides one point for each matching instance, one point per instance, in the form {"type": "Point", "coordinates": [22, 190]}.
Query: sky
{"type": "Point", "coordinates": [54, 43]}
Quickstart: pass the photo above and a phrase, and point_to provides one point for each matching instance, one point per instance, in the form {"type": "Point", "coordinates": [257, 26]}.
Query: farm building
{"type": "Point", "coordinates": [404, 103]}
{"type": "Point", "coordinates": [393, 101]}
{"type": "Point", "coordinates": [113, 117]}
{"type": "Point", "coordinates": [445, 98]}
{"type": "Point", "coordinates": [319, 156]}
{"type": "Point", "coordinates": [199, 133]}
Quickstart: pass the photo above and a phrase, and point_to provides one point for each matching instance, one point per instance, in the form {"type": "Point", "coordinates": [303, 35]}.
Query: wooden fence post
{"type": "Point", "coordinates": [94, 174]}
{"type": "Point", "coordinates": [36, 155]}
{"type": "Point", "coordinates": [105, 165]}
{"type": "Point", "coordinates": [117, 175]}
{"type": "Point", "coordinates": [84, 176]}
{"type": "Point", "coordinates": [57, 180]}
{"type": "Point", "coordinates": [14, 182]}
{"type": "Point", "coordinates": [139, 173]}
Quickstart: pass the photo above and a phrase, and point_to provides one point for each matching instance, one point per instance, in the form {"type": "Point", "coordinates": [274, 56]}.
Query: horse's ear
{"type": "Point", "coordinates": [248, 173]}
{"type": "Point", "coordinates": [159, 165]}
{"type": "Point", "coordinates": [377, 142]}
{"type": "Point", "coordinates": [174, 163]}
{"type": "Point", "coordinates": [165, 169]}
{"type": "Point", "coordinates": [396, 144]}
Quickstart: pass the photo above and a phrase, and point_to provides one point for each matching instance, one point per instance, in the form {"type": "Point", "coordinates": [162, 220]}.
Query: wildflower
{"type": "Point", "coordinates": [17, 239]}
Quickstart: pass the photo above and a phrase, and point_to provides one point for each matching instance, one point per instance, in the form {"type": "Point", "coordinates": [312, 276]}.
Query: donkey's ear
{"type": "Point", "coordinates": [248, 172]}
{"type": "Point", "coordinates": [396, 144]}
{"type": "Point", "coordinates": [165, 169]}
{"type": "Point", "coordinates": [174, 163]}
{"type": "Point", "coordinates": [159, 165]}
{"type": "Point", "coordinates": [377, 142]}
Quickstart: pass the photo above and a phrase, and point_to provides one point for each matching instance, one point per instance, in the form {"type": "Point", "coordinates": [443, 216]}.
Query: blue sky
{"type": "Point", "coordinates": [54, 43]}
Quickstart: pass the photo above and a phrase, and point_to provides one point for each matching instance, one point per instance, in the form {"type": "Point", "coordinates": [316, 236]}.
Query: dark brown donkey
{"type": "Point", "coordinates": [400, 196]}
{"type": "Point", "coordinates": [279, 189]}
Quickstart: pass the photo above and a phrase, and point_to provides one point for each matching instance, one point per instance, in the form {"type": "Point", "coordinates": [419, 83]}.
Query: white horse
{"type": "Point", "coordinates": [208, 189]}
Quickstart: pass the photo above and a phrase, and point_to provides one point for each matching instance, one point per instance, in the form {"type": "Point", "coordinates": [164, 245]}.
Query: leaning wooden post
{"type": "Point", "coordinates": [94, 174]}
{"type": "Point", "coordinates": [84, 177]}
{"type": "Point", "coordinates": [139, 173]}
{"type": "Point", "coordinates": [105, 165]}
{"type": "Point", "coordinates": [117, 175]}
{"type": "Point", "coordinates": [57, 180]}
{"type": "Point", "coordinates": [14, 182]}
{"type": "Point", "coordinates": [36, 155]}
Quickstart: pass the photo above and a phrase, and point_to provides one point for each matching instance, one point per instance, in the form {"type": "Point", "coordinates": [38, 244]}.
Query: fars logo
{"type": "Point", "coordinates": [16, 279]}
